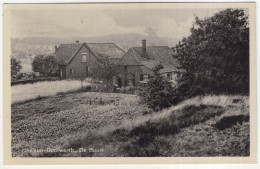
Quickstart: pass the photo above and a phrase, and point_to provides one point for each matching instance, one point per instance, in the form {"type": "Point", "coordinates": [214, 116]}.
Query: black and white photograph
{"type": "Point", "coordinates": [130, 80]}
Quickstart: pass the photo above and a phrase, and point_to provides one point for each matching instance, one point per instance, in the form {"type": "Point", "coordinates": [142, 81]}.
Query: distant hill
{"type": "Point", "coordinates": [29, 47]}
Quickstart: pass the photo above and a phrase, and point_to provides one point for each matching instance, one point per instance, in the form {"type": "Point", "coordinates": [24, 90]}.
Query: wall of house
{"type": "Point", "coordinates": [130, 75]}
{"type": "Point", "coordinates": [128, 72]}
{"type": "Point", "coordinates": [79, 68]}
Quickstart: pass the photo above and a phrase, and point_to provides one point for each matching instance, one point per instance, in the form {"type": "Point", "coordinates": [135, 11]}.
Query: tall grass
{"type": "Point", "coordinates": [150, 135]}
{"type": "Point", "coordinates": [118, 124]}
{"type": "Point", "coordinates": [213, 100]}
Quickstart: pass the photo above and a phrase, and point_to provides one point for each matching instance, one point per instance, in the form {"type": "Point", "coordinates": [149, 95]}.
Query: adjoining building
{"type": "Point", "coordinates": [138, 62]}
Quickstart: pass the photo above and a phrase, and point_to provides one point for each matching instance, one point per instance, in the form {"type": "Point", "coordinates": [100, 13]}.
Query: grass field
{"type": "Point", "coordinates": [20, 93]}
{"type": "Point", "coordinates": [119, 126]}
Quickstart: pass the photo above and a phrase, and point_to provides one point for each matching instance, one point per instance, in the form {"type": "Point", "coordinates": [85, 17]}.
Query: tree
{"type": "Point", "coordinates": [216, 54]}
{"type": "Point", "coordinates": [15, 66]}
{"type": "Point", "coordinates": [105, 70]}
{"type": "Point", "coordinates": [46, 65]}
{"type": "Point", "coordinates": [158, 93]}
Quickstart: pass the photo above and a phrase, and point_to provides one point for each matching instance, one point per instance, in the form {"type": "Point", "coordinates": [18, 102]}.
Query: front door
{"type": "Point", "coordinates": [61, 75]}
{"type": "Point", "coordinates": [119, 80]}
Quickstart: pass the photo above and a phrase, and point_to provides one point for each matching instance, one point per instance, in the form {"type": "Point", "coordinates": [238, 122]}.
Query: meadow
{"type": "Point", "coordinates": [23, 92]}
{"type": "Point", "coordinates": [119, 125]}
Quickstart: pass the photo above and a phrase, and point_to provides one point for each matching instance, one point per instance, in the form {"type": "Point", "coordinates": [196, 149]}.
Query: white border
{"type": "Point", "coordinates": [189, 166]}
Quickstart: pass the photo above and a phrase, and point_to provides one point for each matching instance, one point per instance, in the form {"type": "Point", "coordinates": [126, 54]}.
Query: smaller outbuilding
{"type": "Point", "coordinates": [138, 62]}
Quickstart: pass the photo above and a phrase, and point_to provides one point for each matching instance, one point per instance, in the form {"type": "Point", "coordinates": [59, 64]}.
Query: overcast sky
{"type": "Point", "coordinates": [88, 22]}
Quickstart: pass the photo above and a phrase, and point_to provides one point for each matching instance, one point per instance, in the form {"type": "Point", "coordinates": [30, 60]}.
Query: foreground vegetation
{"type": "Point", "coordinates": [118, 125]}
{"type": "Point", "coordinates": [51, 122]}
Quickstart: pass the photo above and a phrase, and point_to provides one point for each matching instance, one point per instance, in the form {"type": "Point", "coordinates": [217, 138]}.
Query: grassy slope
{"type": "Point", "coordinates": [117, 125]}
{"type": "Point", "coordinates": [52, 121]}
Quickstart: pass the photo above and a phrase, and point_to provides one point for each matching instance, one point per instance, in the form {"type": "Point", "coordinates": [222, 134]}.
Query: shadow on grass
{"type": "Point", "coordinates": [150, 138]}
{"type": "Point", "coordinates": [229, 121]}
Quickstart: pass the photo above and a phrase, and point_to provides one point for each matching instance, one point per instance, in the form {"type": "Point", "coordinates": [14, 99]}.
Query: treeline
{"type": "Point", "coordinates": [46, 65]}
{"type": "Point", "coordinates": [42, 66]}
{"type": "Point", "coordinates": [215, 58]}
{"type": "Point", "coordinates": [216, 55]}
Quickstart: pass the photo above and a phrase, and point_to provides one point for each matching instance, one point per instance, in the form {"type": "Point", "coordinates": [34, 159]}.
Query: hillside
{"type": "Point", "coordinates": [106, 124]}
{"type": "Point", "coordinates": [29, 47]}
{"type": "Point", "coordinates": [25, 49]}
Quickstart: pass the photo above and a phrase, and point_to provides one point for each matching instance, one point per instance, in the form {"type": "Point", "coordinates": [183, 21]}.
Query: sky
{"type": "Point", "coordinates": [88, 21]}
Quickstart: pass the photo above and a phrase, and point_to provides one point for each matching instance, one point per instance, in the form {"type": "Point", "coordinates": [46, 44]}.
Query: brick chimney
{"type": "Point", "coordinates": [144, 48]}
{"type": "Point", "coordinates": [55, 48]}
{"type": "Point", "coordinates": [77, 41]}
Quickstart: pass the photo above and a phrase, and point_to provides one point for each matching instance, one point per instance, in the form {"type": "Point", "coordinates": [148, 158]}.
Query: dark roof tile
{"type": "Point", "coordinates": [109, 49]}
{"type": "Point", "coordinates": [154, 55]}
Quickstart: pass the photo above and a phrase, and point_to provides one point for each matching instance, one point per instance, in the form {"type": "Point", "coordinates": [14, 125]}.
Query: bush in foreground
{"type": "Point", "coordinates": [158, 93]}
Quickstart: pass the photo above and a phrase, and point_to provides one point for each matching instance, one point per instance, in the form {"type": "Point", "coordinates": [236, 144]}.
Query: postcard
{"type": "Point", "coordinates": [129, 83]}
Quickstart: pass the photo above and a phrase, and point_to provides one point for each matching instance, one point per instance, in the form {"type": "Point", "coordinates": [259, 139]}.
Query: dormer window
{"type": "Point", "coordinates": [84, 57]}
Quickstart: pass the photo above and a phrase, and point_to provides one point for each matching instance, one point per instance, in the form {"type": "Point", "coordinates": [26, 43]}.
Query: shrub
{"type": "Point", "coordinates": [158, 93]}
{"type": "Point", "coordinates": [47, 65]}
{"type": "Point", "coordinates": [19, 75]}
{"type": "Point", "coordinates": [15, 66]}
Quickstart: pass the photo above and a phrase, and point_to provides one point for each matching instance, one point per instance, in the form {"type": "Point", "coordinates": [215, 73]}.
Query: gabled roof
{"type": "Point", "coordinates": [130, 58]}
{"type": "Point", "coordinates": [65, 52]}
{"type": "Point", "coordinates": [163, 54]}
{"type": "Point", "coordinates": [154, 55]}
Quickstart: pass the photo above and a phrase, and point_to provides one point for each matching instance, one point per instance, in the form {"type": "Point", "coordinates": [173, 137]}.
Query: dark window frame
{"type": "Point", "coordinates": [70, 71]}
{"type": "Point", "coordinates": [141, 77]}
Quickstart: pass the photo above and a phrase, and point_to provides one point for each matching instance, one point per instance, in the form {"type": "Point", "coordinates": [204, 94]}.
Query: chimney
{"type": "Point", "coordinates": [55, 48]}
{"type": "Point", "coordinates": [77, 41]}
{"type": "Point", "coordinates": [144, 48]}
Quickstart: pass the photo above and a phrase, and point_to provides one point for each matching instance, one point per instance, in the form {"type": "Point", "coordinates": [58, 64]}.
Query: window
{"type": "Point", "coordinates": [84, 58]}
{"type": "Point", "coordinates": [125, 67]}
{"type": "Point", "coordinates": [169, 76]}
{"type": "Point", "coordinates": [126, 82]}
{"type": "Point", "coordinates": [150, 76]}
{"type": "Point", "coordinates": [174, 77]}
{"type": "Point", "coordinates": [141, 77]}
{"type": "Point", "coordinates": [145, 77]}
{"type": "Point", "coordinates": [71, 71]}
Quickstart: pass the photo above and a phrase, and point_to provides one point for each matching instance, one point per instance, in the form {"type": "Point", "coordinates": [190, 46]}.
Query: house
{"type": "Point", "coordinates": [75, 60]}
{"type": "Point", "coordinates": [138, 62]}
